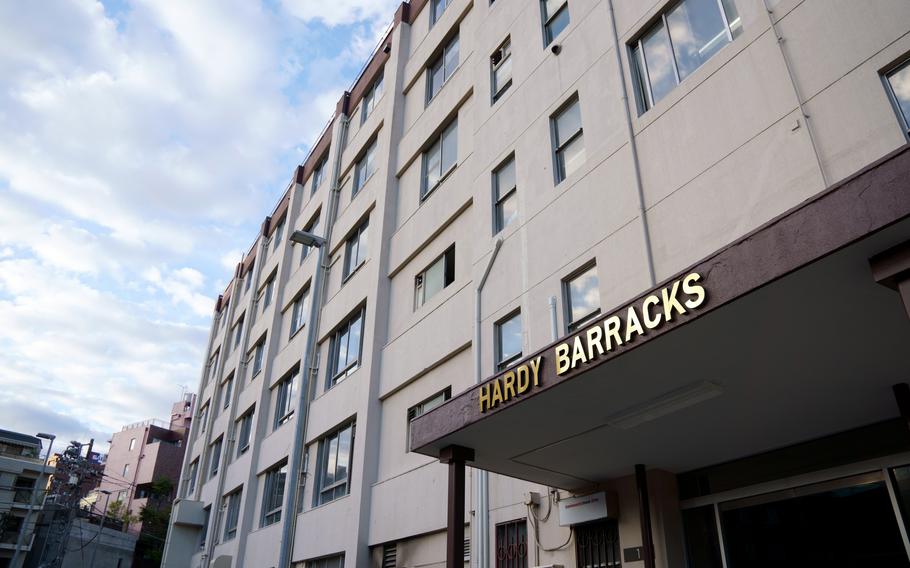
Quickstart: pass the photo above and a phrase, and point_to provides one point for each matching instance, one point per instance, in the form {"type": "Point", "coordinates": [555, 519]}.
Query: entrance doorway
{"type": "Point", "coordinates": [843, 523]}
{"type": "Point", "coordinates": [597, 545]}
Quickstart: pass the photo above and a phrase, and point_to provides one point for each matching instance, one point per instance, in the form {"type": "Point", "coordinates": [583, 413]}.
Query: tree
{"type": "Point", "coordinates": [155, 516]}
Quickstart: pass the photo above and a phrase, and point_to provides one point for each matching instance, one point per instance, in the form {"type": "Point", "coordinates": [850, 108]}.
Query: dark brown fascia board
{"type": "Point", "coordinates": [414, 9]}
{"type": "Point", "coordinates": [866, 202]}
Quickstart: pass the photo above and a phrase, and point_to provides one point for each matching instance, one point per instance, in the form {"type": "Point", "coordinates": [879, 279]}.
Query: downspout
{"type": "Point", "coordinates": [311, 369]}
{"type": "Point", "coordinates": [481, 487]}
{"type": "Point", "coordinates": [796, 91]}
{"type": "Point", "coordinates": [633, 147]}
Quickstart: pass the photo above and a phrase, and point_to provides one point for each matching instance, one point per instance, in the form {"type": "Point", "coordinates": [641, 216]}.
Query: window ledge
{"type": "Point", "coordinates": [353, 272]}
{"type": "Point", "coordinates": [441, 181]}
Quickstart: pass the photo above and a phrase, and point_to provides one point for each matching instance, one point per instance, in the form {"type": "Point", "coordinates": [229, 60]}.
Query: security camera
{"type": "Point", "coordinates": [555, 48]}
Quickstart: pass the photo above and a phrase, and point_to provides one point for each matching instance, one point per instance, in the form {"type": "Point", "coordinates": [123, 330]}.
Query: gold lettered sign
{"type": "Point", "coordinates": [514, 382]}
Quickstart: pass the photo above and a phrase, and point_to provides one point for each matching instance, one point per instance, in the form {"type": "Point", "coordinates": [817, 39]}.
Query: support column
{"type": "Point", "coordinates": [644, 514]}
{"type": "Point", "coordinates": [455, 457]}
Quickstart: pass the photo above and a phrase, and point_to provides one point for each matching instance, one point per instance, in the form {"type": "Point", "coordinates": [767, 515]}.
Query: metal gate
{"type": "Point", "coordinates": [597, 545]}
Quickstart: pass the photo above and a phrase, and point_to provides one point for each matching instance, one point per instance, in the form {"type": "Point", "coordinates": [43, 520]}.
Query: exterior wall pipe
{"type": "Point", "coordinates": [633, 147]}
{"type": "Point", "coordinates": [481, 485]}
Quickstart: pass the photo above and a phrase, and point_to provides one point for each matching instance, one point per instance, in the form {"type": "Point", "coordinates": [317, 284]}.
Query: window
{"type": "Point", "coordinates": [258, 352]}
{"type": "Point", "coordinates": [285, 399]}
{"type": "Point", "coordinates": [436, 277]}
{"type": "Point", "coordinates": [898, 83]}
{"type": "Point", "coordinates": [126, 469]}
{"type": "Point", "coordinates": [319, 173]}
{"type": "Point", "coordinates": [238, 332]}
{"type": "Point", "coordinates": [267, 292]}
{"type": "Point", "coordinates": [345, 349]}
{"type": "Point", "coordinates": [439, 159]}
{"type": "Point", "coordinates": [248, 277]}
{"type": "Point", "coordinates": [207, 511]}
{"type": "Point", "coordinates": [364, 168]}
{"type": "Point", "coordinates": [212, 367]}
{"type": "Point", "coordinates": [334, 468]}
{"type": "Point", "coordinates": [273, 494]}
{"type": "Point", "coordinates": [227, 389]}
{"type": "Point", "coordinates": [215, 457]}
{"type": "Point", "coordinates": [132, 444]}
{"type": "Point", "coordinates": [336, 561]}
{"type": "Point", "coordinates": [276, 236]}
{"type": "Point", "coordinates": [371, 97]}
{"type": "Point", "coordinates": [508, 341]}
{"type": "Point", "coordinates": [426, 406]}
{"type": "Point", "coordinates": [442, 68]}
{"type": "Point", "coordinates": [300, 311]}
{"type": "Point", "coordinates": [512, 544]}
{"type": "Point", "coordinates": [355, 249]}
{"type": "Point", "coordinates": [582, 297]}
{"type": "Point", "coordinates": [568, 140]}
{"type": "Point", "coordinates": [313, 228]}
{"type": "Point", "coordinates": [555, 18]}
{"type": "Point", "coordinates": [437, 7]}
{"type": "Point", "coordinates": [244, 430]}
{"type": "Point", "coordinates": [501, 69]}
{"type": "Point", "coordinates": [231, 515]}
{"type": "Point", "coordinates": [505, 196]}
{"type": "Point", "coordinates": [684, 38]}
{"type": "Point", "coordinates": [203, 417]}
{"type": "Point", "coordinates": [191, 477]}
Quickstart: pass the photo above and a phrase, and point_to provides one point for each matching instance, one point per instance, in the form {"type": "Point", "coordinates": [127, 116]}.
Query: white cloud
{"type": "Point", "coordinates": [340, 12]}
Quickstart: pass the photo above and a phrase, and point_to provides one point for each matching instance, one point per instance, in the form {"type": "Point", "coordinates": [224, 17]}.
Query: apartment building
{"type": "Point", "coordinates": [143, 453]}
{"type": "Point", "coordinates": [671, 239]}
{"type": "Point", "coordinates": [23, 476]}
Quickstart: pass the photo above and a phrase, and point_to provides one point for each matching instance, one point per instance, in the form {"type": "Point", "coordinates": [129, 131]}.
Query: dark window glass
{"type": "Point", "coordinates": [700, 531]}
{"type": "Point", "coordinates": [335, 451]}
{"type": "Point", "coordinates": [508, 341]}
{"type": "Point", "coordinates": [505, 196]}
{"type": "Point", "coordinates": [345, 349]}
{"type": "Point", "coordinates": [555, 17]}
{"type": "Point", "coordinates": [273, 494]}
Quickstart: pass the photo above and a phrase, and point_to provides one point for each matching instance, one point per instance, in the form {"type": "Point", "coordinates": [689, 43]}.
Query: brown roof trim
{"type": "Point", "coordinates": [866, 202]}
{"type": "Point", "coordinates": [317, 153]}
{"type": "Point", "coordinates": [414, 9]}
{"type": "Point", "coordinates": [278, 216]}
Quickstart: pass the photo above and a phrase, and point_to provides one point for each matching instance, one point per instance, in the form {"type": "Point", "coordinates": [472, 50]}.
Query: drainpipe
{"type": "Point", "coordinates": [481, 487]}
{"type": "Point", "coordinates": [633, 147]}
{"type": "Point", "coordinates": [796, 91]}
{"type": "Point", "coordinates": [293, 490]}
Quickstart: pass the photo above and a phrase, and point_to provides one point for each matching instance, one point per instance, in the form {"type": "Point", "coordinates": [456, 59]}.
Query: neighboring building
{"type": "Point", "coordinates": [758, 394]}
{"type": "Point", "coordinates": [142, 453]}
{"type": "Point", "coordinates": [22, 469]}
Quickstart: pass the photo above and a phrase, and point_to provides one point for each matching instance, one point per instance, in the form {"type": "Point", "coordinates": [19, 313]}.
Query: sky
{"type": "Point", "coordinates": [142, 143]}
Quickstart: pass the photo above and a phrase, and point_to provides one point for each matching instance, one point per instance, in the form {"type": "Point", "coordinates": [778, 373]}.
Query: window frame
{"type": "Point", "coordinates": [451, 43]}
{"type": "Point", "coordinates": [335, 376]}
{"type": "Point", "coordinates": [547, 19]}
{"type": "Point", "coordinates": [573, 325]}
{"type": "Point", "coordinates": [227, 390]}
{"type": "Point", "coordinates": [450, 129]}
{"type": "Point", "coordinates": [323, 447]}
{"type": "Point", "coordinates": [368, 103]}
{"type": "Point", "coordinates": [231, 514]}
{"type": "Point", "coordinates": [215, 456]}
{"type": "Point", "coordinates": [268, 290]}
{"type": "Point", "coordinates": [559, 169]}
{"type": "Point", "coordinates": [366, 162]}
{"type": "Point", "coordinates": [277, 234]}
{"type": "Point", "coordinates": [257, 357]}
{"type": "Point", "coordinates": [318, 174]}
{"type": "Point", "coordinates": [503, 529]}
{"type": "Point", "coordinates": [299, 311]}
{"type": "Point", "coordinates": [285, 390]}
{"type": "Point", "coordinates": [273, 489]}
{"type": "Point", "coordinates": [499, 223]}
{"type": "Point", "coordinates": [502, 363]}
{"type": "Point", "coordinates": [902, 120]}
{"type": "Point", "coordinates": [311, 227]}
{"type": "Point", "coordinates": [448, 270]}
{"type": "Point", "coordinates": [497, 91]}
{"type": "Point", "coordinates": [248, 277]}
{"type": "Point", "coordinates": [238, 331]}
{"type": "Point", "coordinates": [245, 430]}
{"type": "Point", "coordinates": [357, 234]}
{"type": "Point", "coordinates": [192, 476]}
{"type": "Point", "coordinates": [434, 15]}
{"type": "Point", "coordinates": [419, 409]}
{"type": "Point", "coordinates": [644, 95]}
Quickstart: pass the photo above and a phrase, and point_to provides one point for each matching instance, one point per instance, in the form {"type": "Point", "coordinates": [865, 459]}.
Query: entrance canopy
{"type": "Point", "coordinates": [794, 340]}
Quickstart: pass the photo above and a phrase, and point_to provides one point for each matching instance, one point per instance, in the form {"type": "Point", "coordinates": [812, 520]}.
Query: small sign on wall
{"type": "Point", "coordinates": [576, 510]}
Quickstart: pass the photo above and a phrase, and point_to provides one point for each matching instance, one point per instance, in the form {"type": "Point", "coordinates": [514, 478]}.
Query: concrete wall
{"type": "Point", "coordinates": [725, 151]}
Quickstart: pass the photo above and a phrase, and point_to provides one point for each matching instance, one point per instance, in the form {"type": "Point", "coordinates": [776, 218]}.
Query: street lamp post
{"type": "Point", "coordinates": [107, 497]}
{"type": "Point", "coordinates": [31, 503]}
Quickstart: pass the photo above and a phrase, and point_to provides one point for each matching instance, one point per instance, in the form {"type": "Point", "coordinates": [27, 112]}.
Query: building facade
{"type": "Point", "coordinates": [592, 205]}
{"type": "Point", "coordinates": [23, 477]}
{"type": "Point", "coordinates": [141, 454]}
